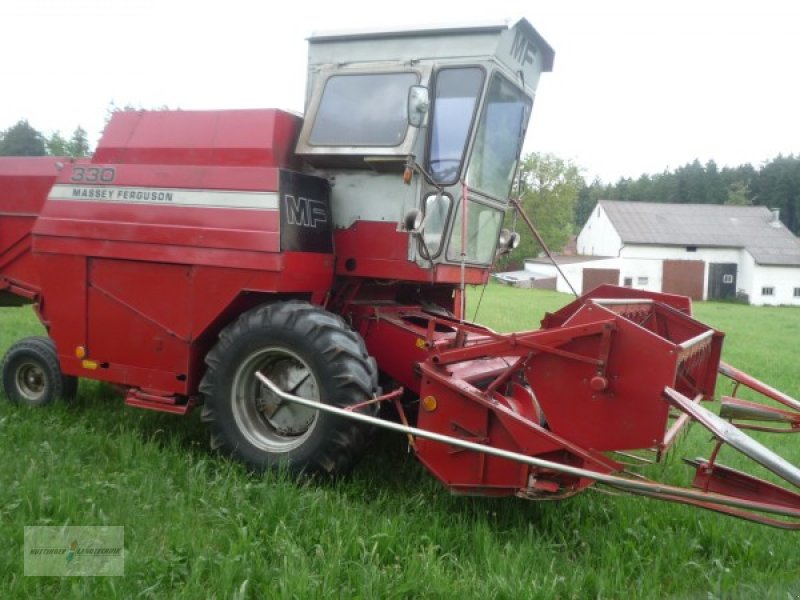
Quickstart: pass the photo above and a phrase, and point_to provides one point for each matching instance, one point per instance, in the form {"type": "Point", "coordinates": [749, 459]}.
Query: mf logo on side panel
{"type": "Point", "coordinates": [305, 212]}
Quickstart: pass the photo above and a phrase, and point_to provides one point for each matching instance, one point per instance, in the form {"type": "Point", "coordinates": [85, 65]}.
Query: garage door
{"type": "Point", "coordinates": [722, 281]}
{"type": "Point", "coordinates": [594, 277]}
{"type": "Point", "coordinates": [684, 277]}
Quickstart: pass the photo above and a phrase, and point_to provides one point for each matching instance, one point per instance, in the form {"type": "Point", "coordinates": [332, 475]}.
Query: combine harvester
{"type": "Point", "coordinates": [273, 269]}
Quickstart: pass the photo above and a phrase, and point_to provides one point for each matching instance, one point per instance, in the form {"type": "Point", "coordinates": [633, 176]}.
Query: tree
{"type": "Point", "coordinates": [665, 188]}
{"type": "Point", "coordinates": [738, 194]}
{"type": "Point", "coordinates": [691, 183]}
{"type": "Point", "coordinates": [549, 189]}
{"type": "Point", "coordinates": [113, 108]}
{"type": "Point", "coordinates": [586, 201]}
{"type": "Point", "coordinates": [78, 144]}
{"type": "Point", "coordinates": [715, 187]}
{"type": "Point", "coordinates": [778, 186]}
{"type": "Point", "coordinates": [57, 145]}
{"type": "Point", "coordinates": [22, 140]}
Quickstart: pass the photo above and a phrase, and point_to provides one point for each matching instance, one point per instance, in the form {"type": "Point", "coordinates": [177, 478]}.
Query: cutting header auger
{"type": "Point", "coordinates": [289, 275]}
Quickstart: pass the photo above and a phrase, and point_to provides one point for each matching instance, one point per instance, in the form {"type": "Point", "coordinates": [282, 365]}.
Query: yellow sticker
{"type": "Point", "coordinates": [89, 364]}
{"type": "Point", "coordinates": [421, 343]}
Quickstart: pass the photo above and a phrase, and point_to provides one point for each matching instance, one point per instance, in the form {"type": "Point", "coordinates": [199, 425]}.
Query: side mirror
{"type": "Point", "coordinates": [437, 209]}
{"type": "Point", "coordinates": [418, 105]}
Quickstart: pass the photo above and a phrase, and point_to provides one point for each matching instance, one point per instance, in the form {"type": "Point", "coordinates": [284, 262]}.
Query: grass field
{"type": "Point", "coordinates": [199, 526]}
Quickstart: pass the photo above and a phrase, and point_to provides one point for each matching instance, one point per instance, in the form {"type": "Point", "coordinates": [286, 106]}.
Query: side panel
{"type": "Point", "coordinates": [144, 270]}
{"type": "Point", "coordinates": [64, 305]}
{"type": "Point", "coordinates": [379, 250]}
{"type": "Point", "coordinates": [140, 314]}
{"type": "Point", "coordinates": [623, 416]}
{"type": "Point", "coordinates": [149, 324]}
{"type": "Point", "coordinates": [24, 185]}
{"type": "Point", "coordinates": [256, 137]}
{"type": "Point", "coordinates": [306, 222]}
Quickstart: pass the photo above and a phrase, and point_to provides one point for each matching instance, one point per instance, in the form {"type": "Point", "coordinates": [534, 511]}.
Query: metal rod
{"type": "Point", "coordinates": [696, 340]}
{"type": "Point", "coordinates": [647, 488]}
{"type": "Point", "coordinates": [740, 377]}
{"type": "Point", "coordinates": [518, 205]}
{"type": "Point", "coordinates": [736, 408]}
{"type": "Point", "coordinates": [620, 301]}
{"type": "Point", "coordinates": [676, 428]}
{"type": "Point", "coordinates": [640, 459]}
{"type": "Point", "coordinates": [464, 207]}
{"type": "Point", "coordinates": [390, 396]}
{"type": "Point", "coordinates": [736, 439]}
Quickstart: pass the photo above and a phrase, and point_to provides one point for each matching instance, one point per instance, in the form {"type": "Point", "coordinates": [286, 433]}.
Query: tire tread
{"type": "Point", "coordinates": [355, 379]}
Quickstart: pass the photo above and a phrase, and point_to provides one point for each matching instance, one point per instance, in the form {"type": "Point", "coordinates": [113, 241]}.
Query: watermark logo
{"type": "Point", "coordinates": [74, 551]}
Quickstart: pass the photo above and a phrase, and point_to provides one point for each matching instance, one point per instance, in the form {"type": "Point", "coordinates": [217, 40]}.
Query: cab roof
{"type": "Point", "coordinates": [456, 40]}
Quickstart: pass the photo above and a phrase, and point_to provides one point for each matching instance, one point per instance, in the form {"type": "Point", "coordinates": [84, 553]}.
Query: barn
{"type": "Point", "coordinates": [708, 252]}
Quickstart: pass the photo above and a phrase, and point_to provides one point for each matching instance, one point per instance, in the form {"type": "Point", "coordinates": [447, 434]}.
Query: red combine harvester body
{"type": "Point", "coordinates": [162, 253]}
{"type": "Point", "coordinates": [281, 272]}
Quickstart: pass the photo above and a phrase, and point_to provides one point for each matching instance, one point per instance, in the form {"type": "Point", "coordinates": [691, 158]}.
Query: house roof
{"type": "Point", "coordinates": [707, 225]}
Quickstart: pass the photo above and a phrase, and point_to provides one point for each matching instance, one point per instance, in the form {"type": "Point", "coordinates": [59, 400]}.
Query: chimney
{"type": "Point", "coordinates": [776, 217]}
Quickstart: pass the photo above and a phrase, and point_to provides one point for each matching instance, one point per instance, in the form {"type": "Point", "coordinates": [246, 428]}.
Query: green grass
{"type": "Point", "coordinates": [199, 526]}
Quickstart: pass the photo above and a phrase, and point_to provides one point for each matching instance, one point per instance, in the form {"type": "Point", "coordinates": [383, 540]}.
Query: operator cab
{"type": "Point", "coordinates": [444, 108]}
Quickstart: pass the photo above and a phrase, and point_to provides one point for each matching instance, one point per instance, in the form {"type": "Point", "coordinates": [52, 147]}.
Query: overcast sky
{"type": "Point", "coordinates": [637, 86]}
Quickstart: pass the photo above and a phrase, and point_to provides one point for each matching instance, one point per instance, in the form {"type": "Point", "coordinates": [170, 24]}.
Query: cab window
{"type": "Point", "coordinates": [363, 110]}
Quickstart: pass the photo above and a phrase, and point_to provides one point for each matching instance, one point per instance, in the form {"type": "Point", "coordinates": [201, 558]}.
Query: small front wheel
{"type": "Point", "coordinates": [31, 373]}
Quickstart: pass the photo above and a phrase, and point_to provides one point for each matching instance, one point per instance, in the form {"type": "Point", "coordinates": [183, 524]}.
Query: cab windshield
{"type": "Point", "coordinates": [498, 140]}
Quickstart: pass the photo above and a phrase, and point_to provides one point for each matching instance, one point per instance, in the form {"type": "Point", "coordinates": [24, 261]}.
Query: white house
{"type": "Point", "coordinates": [701, 250]}
{"type": "Point", "coordinates": [578, 273]}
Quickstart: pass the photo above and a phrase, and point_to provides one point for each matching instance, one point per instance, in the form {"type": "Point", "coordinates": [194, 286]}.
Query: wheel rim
{"type": "Point", "coordinates": [269, 423]}
{"type": "Point", "coordinates": [31, 382]}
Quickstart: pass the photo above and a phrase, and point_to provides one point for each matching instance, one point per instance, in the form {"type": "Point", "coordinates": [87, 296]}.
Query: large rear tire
{"type": "Point", "coordinates": [32, 376]}
{"type": "Point", "coordinates": [306, 351]}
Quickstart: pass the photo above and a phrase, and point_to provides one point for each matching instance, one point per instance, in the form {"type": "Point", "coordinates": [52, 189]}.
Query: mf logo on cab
{"type": "Point", "coordinates": [305, 212]}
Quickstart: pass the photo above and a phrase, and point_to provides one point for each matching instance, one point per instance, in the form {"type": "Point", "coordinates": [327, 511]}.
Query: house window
{"type": "Point", "coordinates": [691, 248]}
{"type": "Point", "coordinates": [797, 292]}
{"type": "Point", "coordinates": [628, 282]}
{"type": "Point", "coordinates": [768, 291]}
{"type": "Point", "coordinates": [727, 278]}
{"type": "Point", "coordinates": [641, 281]}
